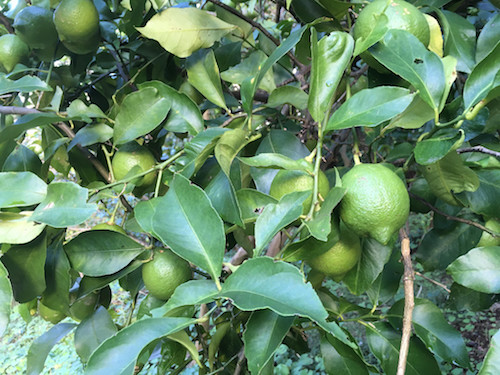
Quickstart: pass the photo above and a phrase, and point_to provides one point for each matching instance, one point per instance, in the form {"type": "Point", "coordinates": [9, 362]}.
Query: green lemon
{"type": "Point", "coordinates": [339, 258]}
{"type": "Point", "coordinates": [12, 51]}
{"type": "Point", "coordinates": [486, 238]}
{"type": "Point", "coordinates": [49, 314]}
{"type": "Point", "coordinates": [290, 181]}
{"type": "Point", "coordinates": [111, 227]}
{"type": "Point", "coordinates": [83, 307]}
{"type": "Point", "coordinates": [35, 26]}
{"type": "Point", "coordinates": [165, 273]}
{"type": "Point", "coordinates": [77, 23]}
{"type": "Point", "coordinates": [133, 155]}
{"type": "Point", "coordinates": [376, 203]}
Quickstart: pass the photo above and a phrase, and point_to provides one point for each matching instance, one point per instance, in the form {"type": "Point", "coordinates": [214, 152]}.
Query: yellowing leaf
{"type": "Point", "coordinates": [181, 31]}
{"type": "Point", "coordinates": [436, 42]}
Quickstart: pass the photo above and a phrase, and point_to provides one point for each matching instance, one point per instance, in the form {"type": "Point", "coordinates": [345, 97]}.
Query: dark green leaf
{"type": "Point", "coordinates": [330, 58]}
{"type": "Point", "coordinates": [434, 149]}
{"type": "Point", "coordinates": [277, 161]}
{"type": "Point", "coordinates": [101, 252]}
{"type": "Point", "coordinates": [42, 346]}
{"type": "Point", "coordinates": [491, 364]}
{"type": "Point", "coordinates": [92, 134]}
{"type": "Point", "coordinates": [479, 269]}
{"type": "Point", "coordinates": [310, 247]}
{"type": "Point", "coordinates": [252, 202]}
{"type": "Point", "coordinates": [57, 277]}
{"type": "Point", "coordinates": [462, 298]}
{"type": "Point", "coordinates": [17, 228]}
{"type": "Point", "coordinates": [341, 359]}
{"type": "Point", "coordinates": [288, 95]}
{"type": "Point", "coordinates": [370, 107]}
{"type": "Point", "coordinates": [5, 299]}
{"type": "Point", "coordinates": [23, 159]}
{"type": "Point", "coordinates": [65, 205]}
{"type": "Point", "coordinates": [92, 331]}
{"type": "Point", "coordinates": [230, 143]}
{"type": "Point", "coordinates": [488, 38]}
{"type": "Point", "coordinates": [320, 225]}
{"type": "Point", "coordinates": [264, 332]}
{"type": "Point", "coordinates": [24, 84]}
{"type": "Point", "coordinates": [386, 284]}
{"type": "Point", "coordinates": [21, 189]}
{"type": "Point", "coordinates": [484, 200]}
{"type": "Point", "coordinates": [222, 194]}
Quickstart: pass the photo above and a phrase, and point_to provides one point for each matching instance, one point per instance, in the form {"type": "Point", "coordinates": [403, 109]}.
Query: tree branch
{"type": "Point", "coordinates": [17, 110]}
{"type": "Point", "coordinates": [408, 277]}
{"type": "Point", "coordinates": [5, 21]}
{"type": "Point", "coordinates": [480, 149]}
{"type": "Point", "coordinates": [441, 285]}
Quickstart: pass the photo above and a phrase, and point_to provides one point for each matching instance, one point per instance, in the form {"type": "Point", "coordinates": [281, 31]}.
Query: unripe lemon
{"type": "Point", "coordinates": [486, 238]}
{"type": "Point", "coordinates": [376, 203]}
{"type": "Point", "coordinates": [132, 155]}
{"type": "Point", "coordinates": [50, 315]}
{"type": "Point", "coordinates": [34, 25]}
{"type": "Point", "coordinates": [12, 51]}
{"type": "Point", "coordinates": [165, 273]}
{"type": "Point", "coordinates": [83, 307]}
{"type": "Point", "coordinates": [290, 181]}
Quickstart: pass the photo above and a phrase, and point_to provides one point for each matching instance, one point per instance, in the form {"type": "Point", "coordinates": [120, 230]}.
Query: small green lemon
{"type": "Point", "coordinates": [339, 258]}
{"type": "Point", "coordinates": [50, 315]}
{"type": "Point", "coordinates": [35, 26]}
{"type": "Point", "coordinates": [165, 273]}
{"type": "Point", "coordinates": [290, 181]}
{"type": "Point", "coordinates": [12, 51]}
{"type": "Point", "coordinates": [376, 203]}
{"type": "Point", "coordinates": [133, 155]}
{"type": "Point", "coordinates": [83, 307]}
{"type": "Point", "coordinates": [486, 238]}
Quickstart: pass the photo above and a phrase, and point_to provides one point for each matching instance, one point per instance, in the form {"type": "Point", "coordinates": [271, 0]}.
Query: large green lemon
{"type": "Point", "coordinates": [133, 155]}
{"type": "Point", "coordinates": [376, 203]}
{"type": "Point", "coordinates": [12, 51]}
{"type": "Point", "coordinates": [289, 181]}
{"type": "Point", "coordinates": [486, 238]}
{"type": "Point", "coordinates": [165, 272]}
{"type": "Point", "coordinates": [35, 26]}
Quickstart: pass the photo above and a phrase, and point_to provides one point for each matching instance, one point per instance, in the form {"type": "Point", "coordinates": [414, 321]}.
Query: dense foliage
{"type": "Point", "coordinates": [169, 120]}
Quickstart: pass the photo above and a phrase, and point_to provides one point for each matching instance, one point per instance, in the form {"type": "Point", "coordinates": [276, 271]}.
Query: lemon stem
{"type": "Point", "coordinates": [107, 154]}
{"type": "Point", "coordinates": [355, 148]}
{"type": "Point", "coordinates": [158, 183]}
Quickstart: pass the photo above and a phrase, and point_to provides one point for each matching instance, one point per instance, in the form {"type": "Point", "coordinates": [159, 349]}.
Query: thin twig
{"type": "Point", "coordinates": [17, 110]}
{"type": "Point", "coordinates": [455, 218]}
{"type": "Point", "coordinates": [408, 277]}
{"type": "Point", "coordinates": [120, 64]}
{"type": "Point", "coordinates": [480, 149]}
{"type": "Point", "coordinates": [433, 281]}
{"type": "Point", "coordinates": [5, 21]}
{"type": "Point", "coordinates": [241, 359]}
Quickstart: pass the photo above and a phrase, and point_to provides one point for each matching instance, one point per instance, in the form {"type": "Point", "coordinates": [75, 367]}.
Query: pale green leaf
{"type": "Point", "coordinates": [21, 189]}
{"type": "Point", "coordinates": [16, 228]}
{"type": "Point", "coordinates": [5, 299]}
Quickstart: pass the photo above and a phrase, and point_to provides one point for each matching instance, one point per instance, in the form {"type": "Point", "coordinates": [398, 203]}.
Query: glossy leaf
{"type": "Point", "coordinates": [65, 205]}
{"type": "Point", "coordinates": [277, 216]}
{"type": "Point", "coordinates": [24, 84]}
{"type": "Point", "coordinates": [93, 331]}
{"type": "Point", "coordinates": [185, 220]}
{"type": "Point", "coordinates": [491, 364]}
{"type": "Point", "coordinates": [203, 74]}
{"type": "Point", "coordinates": [79, 109]}
{"type": "Point", "coordinates": [21, 189]}
{"type": "Point", "coordinates": [222, 194]}
{"type": "Point", "coordinates": [484, 200]}
{"type": "Point", "coordinates": [406, 56]}
{"type": "Point", "coordinates": [387, 283]}
{"type": "Point", "coordinates": [439, 248]}
{"type": "Point", "coordinates": [414, 116]}
{"type": "Point", "coordinates": [264, 332]}
{"type": "Point", "coordinates": [230, 143]}
{"type": "Point", "coordinates": [92, 134]}
{"type": "Point", "coordinates": [118, 354]}
{"type": "Point", "coordinates": [330, 58]}
{"type": "Point", "coordinates": [378, 29]}
{"type": "Point", "coordinates": [101, 252]}
{"type": "Point", "coordinates": [341, 359]}
{"type": "Point", "coordinates": [370, 107]}
{"type": "Point", "coordinates": [488, 39]}
{"type": "Point", "coordinates": [252, 202]}
{"type": "Point", "coordinates": [42, 346]}
{"type": "Point", "coordinates": [320, 225]}
{"type": "Point", "coordinates": [479, 269]}
{"type": "Point", "coordinates": [17, 228]}
{"type": "Point", "coordinates": [5, 299]}
{"type": "Point", "coordinates": [183, 338]}
{"type": "Point", "coordinates": [22, 159]}
{"type": "Point", "coordinates": [57, 277]}
{"type": "Point", "coordinates": [277, 161]}
{"type": "Point", "coordinates": [434, 149]}
{"type": "Point", "coordinates": [26, 265]}
{"type": "Point", "coordinates": [288, 95]}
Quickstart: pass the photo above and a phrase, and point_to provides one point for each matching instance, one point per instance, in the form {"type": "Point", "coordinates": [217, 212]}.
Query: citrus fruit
{"type": "Point", "coordinates": [165, 273]}
{"type": "Point", "coordinates": [340, 257]}
{"type": "Point", "coordinates": [290, 181]}
{"type": "Point", "coordinates": [376, 203]}
{"type": "Point", "coordinates": [486, 238]}
{"type": "Point", "coordinates": [49, 314]}
{"type": "Point", "coordinates": [34, 25]}
{"type": "Point", "coordinates": [133, 155]}
{"type": "Point", "coordinates": [112, 227]}
{"type": "Point", "coordinates": [83, 307]}
{"type": "Point", "coordinates": [12, 51]}
{"type": "Point", "coordinates": [77, 23]}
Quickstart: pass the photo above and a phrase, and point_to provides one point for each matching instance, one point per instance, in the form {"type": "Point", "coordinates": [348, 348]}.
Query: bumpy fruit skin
{"type": "Point", "coordinates": [35, 26]}
{"type": "Point", "coordinates": [49, 314]}
{"type": "Point", "coordinates": [340, 258]}
{"type": "Point", "coordinates": [130, 155]}
{"type": "Point", "coordinates": [286, 182]}
{"type": "Point", "coordinates": [376, 203]}
{"type": "Point", "coordinates": [486, 238]}
{"type": "Point", "coordinates": [165, 273]}
{"type": "Point", "coordinates": [12, 51]}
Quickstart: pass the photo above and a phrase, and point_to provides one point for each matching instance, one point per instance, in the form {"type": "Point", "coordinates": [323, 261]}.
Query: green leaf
{"type": "Point", "coordinates": [93, 331]}
{"type": "Point", "coordinates": [277, 216]}
{"type": "Point", "coordinates": [92, 134]}
{"type": "Point", "coordinates": [414, 116]}
{"type": "Point", "coordinates": [100, 252]}
{"type": "Point", "coordinates": [459, 39]}
{"type": "Point", "coordinates": [78, 109]}
{"type": "Point", "coordinates": [330, 58]}
{"type": "Point", "coordinates": [252, 202]}
{"type": "Point", "coordinates": [185, 220]}
{"type": "Point", "coordinates": [57, 277]}
{"type": "Point", "coordinates": [183, 338]}
{"type": "Point", "coordinates": [23, 159]}
{"type": "Point", "coordinates": [5, 299]}
{"type": "Point", "coordinates": [65, 205]}
{"type": "Point", "coordinates": [387, 283]}
{"type": "Point", "coordinates": [118, 354]}
{"type": "Point", "coordinates": [488, 39]}
{"type": "Point", "coordinates": [406, 56]}
{"type": "Point", "coordinates": [439, 248]}
{"type": "Point", "coordinates": [141, 112]}
{"type": "Point", "coordinates": [288, 95]}
{"type": "Point", "coordinates": [373, 259]}
{"type": "Point", "coordinates": [310, 247]}
{"type": "Point", "coordinates": [264, 333]}
{"type": "Point", "coordinates": [222, 194]}
{"type": "Point", "coordinates": [203, 74]}
{"type": "Point", "coordinates": [462, 298]}
{"type": "Point", "coordinates": [42, 346]}
{"type": "Point", "coordinates": [484, 200]}
{"type": "Point", "coordinates": [21, 189]}
{"type": "Point", "coordinates": [230, 143]}
{"type": "Point", "coordinates": [378, 29]}
{"type": "Point", "coordinates": [479, 269]}
{"type": "Point", "coordinates": [370, 107]}
{"type": "Point", "coordinates": [24, 84]}
{"type": "Point", "coordinates": [341, 359]}
{"type": "Point", "coordinates": [277, 161]}
{"type": "Point", "coordinates": [491, 364]}
{"type": "Point", "coordinates": [320, 225]}
{"type": "Point", "coordinates": [384, 343]}
{"type": "Point", "coordinates": [17, 228]}
{"type": "Point", "coordinates": [433, 329]}
{"type": "Point", "coordinates": [434, 149]}
{"type": "Point", "coordinates": [26, 266]}
{"type": "Point", "coordinates": [181, 31]}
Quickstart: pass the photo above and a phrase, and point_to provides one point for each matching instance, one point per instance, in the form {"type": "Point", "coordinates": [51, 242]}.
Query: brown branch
{"type": "Point", "coordinates": [408, 277]}
{"type": "Point", "coordinates": [17, 110]}
{"type": "Point", "coordinates": [5, 21]}
{"type": "Point", "coordinates": [120, 64]}
{"type": "Point", "coordinates": [433, 281]}
{"type": "Point", "coordinates": [454, 218]}
{"type": "Point", "coordinates": [480, 149]}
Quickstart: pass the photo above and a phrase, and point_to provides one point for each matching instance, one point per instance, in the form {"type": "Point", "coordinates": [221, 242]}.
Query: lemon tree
{"type": "Point", "coordinates": [263, 197]}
